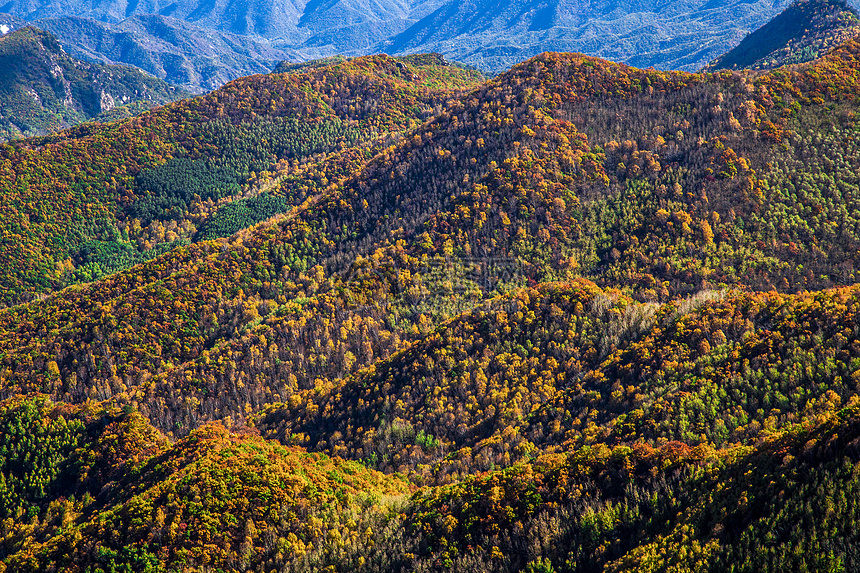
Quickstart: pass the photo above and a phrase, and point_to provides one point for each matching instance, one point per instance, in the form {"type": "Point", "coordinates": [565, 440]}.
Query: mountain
{"type": "Point", "coordinates": [805, 30]}
{"type": "Point", "coordinates": [270, 19]}
{"type": "Point", "coordinates": [356, 27]}
{"type": "Point", "coordinates": [172, 168]}
{"type": "Point", "coordinates": [493, 35]}
{"type": "Point", "coordinates": [43, 89]}
{"type": "Point", "coordinates": [485, 33]}
{"type": "Point", "coordinates": [202, 46]}
{"type": "Point", "coordinates": [196, 58]}
{"type": "Point", "coordinates": [386, 314]}
{"type": "Point", "coordinates": [9, 23]}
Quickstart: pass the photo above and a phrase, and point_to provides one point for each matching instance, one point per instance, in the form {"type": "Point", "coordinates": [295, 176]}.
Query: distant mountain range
{"type": "Point", "coordinates": [270, 18]}
{"type": "Point", "coordinates": [178, 41]}
{"type": "Point", "coordinates": [43, 89]}
{"type": "Point", "coordinates": [196, 58]}
{"type": "Point", "coordinates": [805, 30]}
{"type": "Point", "coordinates": [492, 34]}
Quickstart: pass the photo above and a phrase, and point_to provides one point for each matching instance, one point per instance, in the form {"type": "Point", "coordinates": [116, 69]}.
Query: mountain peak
{"type": "Point", "coordinates": [802, 32]}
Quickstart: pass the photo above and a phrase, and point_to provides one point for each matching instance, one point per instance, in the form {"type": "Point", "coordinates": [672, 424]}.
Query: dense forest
{"type": "Point", "coordinates": [384, 314]}
{"type": "Point", "coordinates": [100, 198]}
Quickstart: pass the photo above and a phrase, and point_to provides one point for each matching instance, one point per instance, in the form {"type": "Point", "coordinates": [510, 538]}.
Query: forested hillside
{"type": "Point", "coordinates": [102, 198]}
{"type": "Point", "coordinates": [384, 314]}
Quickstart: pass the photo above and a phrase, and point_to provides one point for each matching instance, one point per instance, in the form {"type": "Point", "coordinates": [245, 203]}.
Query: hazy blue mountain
{"type": "Point", "coordinates": [43, 89]}
{"type": "Point", "coordinates": [490, 34]}
{"type": "Point", "coordinates": [9, 23]}
{"type": "Point", "coordinates": [289, 20]}
{"type": "Point", "coordinates": [270, 18]}
{"type": "Point", "coordinates": [357, 27]}
{"type": "Point", "coordinates": [803, 32]}
{"type": "Point", "coordinates": [196, 58]}
{"type": "Point", "coordinates": [493, 34]}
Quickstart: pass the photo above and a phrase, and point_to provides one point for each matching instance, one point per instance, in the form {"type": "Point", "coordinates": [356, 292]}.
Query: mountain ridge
{"type": "Point", "coordinates": [318, 204]}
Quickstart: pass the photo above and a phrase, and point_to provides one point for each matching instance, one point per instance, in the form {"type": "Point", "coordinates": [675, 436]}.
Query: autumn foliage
{"type": "Point", "coordinates": [382, 314]}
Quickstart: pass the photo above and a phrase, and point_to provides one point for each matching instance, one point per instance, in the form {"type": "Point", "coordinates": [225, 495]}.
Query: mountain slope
{"type": "Point", "coordinates": [565, 366]}
{"type": "Point", "coordinates": [355, 28]}
{"type": "Point", "coordinates": [183, 54]}
{"type": "Point", "coordinates": [582, 316]}
{"type": "Point", "coordinates": [784, 504]}
{"type": "Point", "coordinates": [168, 169]}
{"type": "Point", "coordinates": [502, 178]}
{"type": "Point", "coordinates": [805, 30]}
{"type": "Point", "coordinates": [42, 89]}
